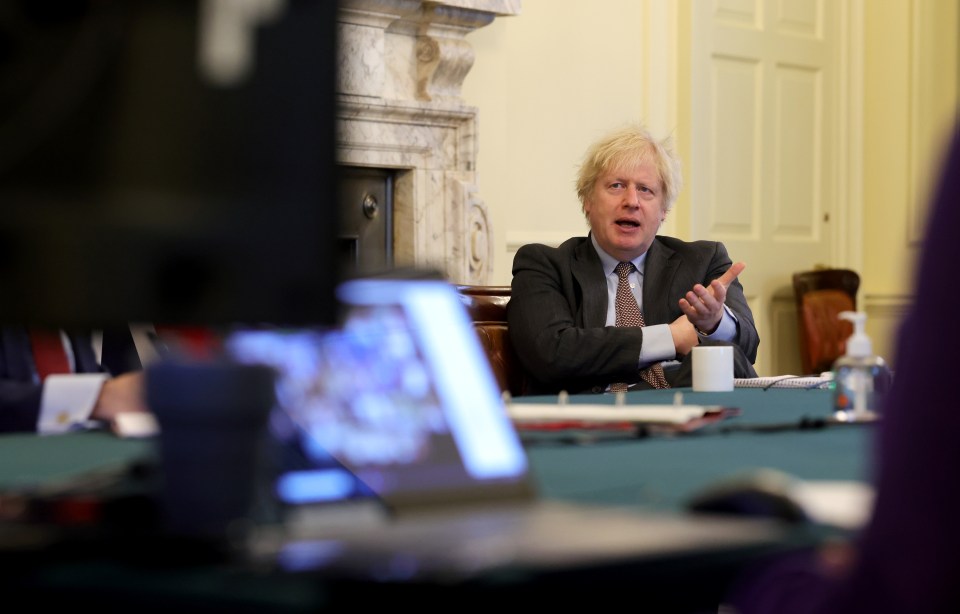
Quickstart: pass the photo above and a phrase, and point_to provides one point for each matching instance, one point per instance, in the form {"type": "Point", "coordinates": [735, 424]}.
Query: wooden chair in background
{"type": "Point", "coordinates": [821, 295]}
{"type": "Point", "coordinates": [487, 306]}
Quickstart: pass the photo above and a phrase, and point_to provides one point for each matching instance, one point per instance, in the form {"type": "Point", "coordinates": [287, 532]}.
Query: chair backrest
{"type": "Point", "coordinates": [487, 306]}
{"type": "Point", "coordinates": [820, 297]}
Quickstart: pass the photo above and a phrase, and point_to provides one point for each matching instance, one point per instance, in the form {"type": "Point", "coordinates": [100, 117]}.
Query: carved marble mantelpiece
{"type": "Point", "coordinates": [401, 67]}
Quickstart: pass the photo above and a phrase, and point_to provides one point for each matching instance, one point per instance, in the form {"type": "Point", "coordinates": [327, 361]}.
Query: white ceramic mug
{"type": "Point", "coordinates": [713, 368]}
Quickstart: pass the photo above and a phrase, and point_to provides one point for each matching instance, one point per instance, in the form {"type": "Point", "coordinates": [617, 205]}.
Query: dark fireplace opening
{"type": "Point", "coordinates": [366, 219]}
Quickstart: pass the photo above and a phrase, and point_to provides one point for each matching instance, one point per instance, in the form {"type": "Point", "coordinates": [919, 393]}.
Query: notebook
{"type": "Point", "coordinates": [398, 459]}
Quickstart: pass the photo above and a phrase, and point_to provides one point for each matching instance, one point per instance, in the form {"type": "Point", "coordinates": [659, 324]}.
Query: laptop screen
{"type": "Point", "coordinates": [397, 402]}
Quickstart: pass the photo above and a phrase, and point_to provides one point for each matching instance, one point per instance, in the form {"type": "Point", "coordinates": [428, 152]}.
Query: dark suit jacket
{"type": "Point", "coordinates": [20, 394]}
{"type": "Point", "coordinates": [558, 308]}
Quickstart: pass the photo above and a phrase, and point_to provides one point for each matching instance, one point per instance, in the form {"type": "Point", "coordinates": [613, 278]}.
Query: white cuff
{"type": "Point", "coordinates": [67, 400]}
{"type": "Point", "coordinates": [657, 344]}
{"type": "Point", "coordinates": [726, 329]}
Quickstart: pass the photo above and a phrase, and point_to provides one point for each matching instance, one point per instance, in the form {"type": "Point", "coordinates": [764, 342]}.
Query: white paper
{"type": "Point", "coordinates": [844, 504]}
{"type": "Point", "coordinates": [661, 414]}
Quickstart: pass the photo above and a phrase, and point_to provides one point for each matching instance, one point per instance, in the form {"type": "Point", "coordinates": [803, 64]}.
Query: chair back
{"type": "Point", "coordinates": [487, 306]}
{"type": "Point", "coordinates": [821, 295]}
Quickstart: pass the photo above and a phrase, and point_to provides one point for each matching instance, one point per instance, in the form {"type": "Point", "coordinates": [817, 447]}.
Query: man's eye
{"type": "Point", "coordinates": [646, 192]}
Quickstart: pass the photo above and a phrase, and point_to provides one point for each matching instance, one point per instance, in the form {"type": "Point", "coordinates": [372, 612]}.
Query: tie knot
{"type": "Point", "coordinates": [624, 269]}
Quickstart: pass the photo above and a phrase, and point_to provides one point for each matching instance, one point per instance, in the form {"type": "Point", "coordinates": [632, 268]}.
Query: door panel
{"type": "Point", "coordinates": [762, 152]}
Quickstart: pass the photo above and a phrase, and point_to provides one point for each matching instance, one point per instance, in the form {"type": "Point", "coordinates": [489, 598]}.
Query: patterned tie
{"type": "Point", "coordinates": [49, 354]}
{"type": "Point", "coordinates": [628, 314]}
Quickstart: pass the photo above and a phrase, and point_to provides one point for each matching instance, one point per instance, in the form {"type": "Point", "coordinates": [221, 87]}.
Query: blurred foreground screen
{"type": "Point", "coordinates": [167, 160]}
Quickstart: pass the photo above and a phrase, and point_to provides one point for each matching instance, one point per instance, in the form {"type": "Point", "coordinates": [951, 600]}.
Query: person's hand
{"type": "Point", "coordinates": [685, 336]}
{"type": "Point", "coordinates": [703, 306]}
{"type": "Point", "coordinates": [123, 393]}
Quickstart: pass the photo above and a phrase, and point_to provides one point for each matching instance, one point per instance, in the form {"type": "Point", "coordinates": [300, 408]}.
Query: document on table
{"type": "Point", "coordinates": [785, 381]}
{"type": "Point", "coordinates": [588, 415]}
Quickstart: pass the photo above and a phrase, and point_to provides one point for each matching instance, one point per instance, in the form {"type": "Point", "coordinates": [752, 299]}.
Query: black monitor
{"type": "Point", "coordinates": [168, 161]}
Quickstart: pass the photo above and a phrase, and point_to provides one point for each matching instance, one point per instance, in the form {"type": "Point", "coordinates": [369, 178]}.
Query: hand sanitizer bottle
{"type": "Point", "coordinates": [860, 378]}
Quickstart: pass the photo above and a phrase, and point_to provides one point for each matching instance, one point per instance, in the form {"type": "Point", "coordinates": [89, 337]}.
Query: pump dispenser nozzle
{"type": "Point", "coordinates": [858, 344]}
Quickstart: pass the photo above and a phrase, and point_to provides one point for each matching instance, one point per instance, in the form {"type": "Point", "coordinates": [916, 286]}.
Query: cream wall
{"type": "Point", "coordinates": [910, 102]}
{"type": "Point", "coordinates": [547, 83]}
{"type": "Point", "coordinates": [550, 80]}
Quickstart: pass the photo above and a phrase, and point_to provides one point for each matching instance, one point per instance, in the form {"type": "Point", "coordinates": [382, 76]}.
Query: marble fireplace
{"type": "Point", "coordinates": [401, 66]}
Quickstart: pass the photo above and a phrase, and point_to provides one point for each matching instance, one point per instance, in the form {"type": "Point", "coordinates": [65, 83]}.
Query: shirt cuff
{"type": "Point", "coordinates": [727, 329]}
{"type": "Point", "coordinates": [67, 401]}
{"type": "Point", "coordinates": [657, 344]}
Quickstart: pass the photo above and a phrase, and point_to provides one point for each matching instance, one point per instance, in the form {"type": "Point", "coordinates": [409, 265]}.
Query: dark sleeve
{"type": "Point", "coordinates": [747, 336]}
{"type": "Point", "coordinates": [19, 395]}
{"type": "Point", "coordinates": [909, 553]}
{"type": "Point", "coordinates": [547, 328]}
{"type": "Point", "coordinates": [19, 406]}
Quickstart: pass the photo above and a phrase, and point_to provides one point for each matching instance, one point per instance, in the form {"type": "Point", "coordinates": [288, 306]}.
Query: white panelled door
{"type": "Point", "coordinates": [764, 148]}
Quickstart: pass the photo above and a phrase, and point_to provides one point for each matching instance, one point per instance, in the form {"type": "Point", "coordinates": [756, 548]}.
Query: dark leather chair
{"type": "Point", "coordinates": [487, 306]}
{"type": "Point", "coordinates": [821, 294]}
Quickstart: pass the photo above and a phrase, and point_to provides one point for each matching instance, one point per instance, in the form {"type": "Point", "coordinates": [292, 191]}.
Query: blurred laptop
{"type": "Point", "coordinates": [397, 459]}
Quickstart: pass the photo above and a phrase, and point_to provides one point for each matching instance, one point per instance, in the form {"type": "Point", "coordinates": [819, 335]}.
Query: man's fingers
{"type": "Point", "coordinates": [735, 269]}
{"type": "Point", "coordinates": [719, 290]}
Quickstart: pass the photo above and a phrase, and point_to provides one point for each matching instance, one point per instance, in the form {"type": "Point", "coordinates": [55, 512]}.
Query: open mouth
{"type": "Point", "coordinates": [628, 224]}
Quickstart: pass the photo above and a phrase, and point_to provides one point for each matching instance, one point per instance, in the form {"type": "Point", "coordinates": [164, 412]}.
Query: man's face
{"type": "Point", "coordinates": [625, 209]}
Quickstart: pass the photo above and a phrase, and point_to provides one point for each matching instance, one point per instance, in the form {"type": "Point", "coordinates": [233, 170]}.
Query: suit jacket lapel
{"type": "Point", "coordinates": [586, 264]}
{"type": "Point", "coordinates": [658, 273]}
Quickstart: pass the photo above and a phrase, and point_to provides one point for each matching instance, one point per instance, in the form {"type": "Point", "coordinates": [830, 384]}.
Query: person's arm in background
{"type": "Point", "coordinates": [704, 305]}
{"type": "Point", "coordinates": [707, 269]}
{"type": "Point", "coordinates": [706, 314]}
{"type": "Point", "coordinates": [71, 400]}
{"type": "Point", "coordinates": [62, 401]}
{"type": "Point", "coordinates": [718, 306]}
{"type": "Point", "coordinates": [67, 401]}
{"type": "Point", "coordinates": [121, 393]}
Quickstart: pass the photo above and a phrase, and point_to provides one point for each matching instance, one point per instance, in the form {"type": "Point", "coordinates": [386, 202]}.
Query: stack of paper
{"type": "Point", "coordinates": [582, 415]}
{"type": "Point", "coordinates": [784, 381]}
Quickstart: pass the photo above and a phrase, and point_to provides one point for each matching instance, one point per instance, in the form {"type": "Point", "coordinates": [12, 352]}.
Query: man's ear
{"type": "Point", "coordinates": [585, 209]}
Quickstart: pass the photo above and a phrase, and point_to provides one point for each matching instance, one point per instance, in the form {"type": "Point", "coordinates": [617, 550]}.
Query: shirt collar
{"type": "Point", "coordinates": [610, 263]}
